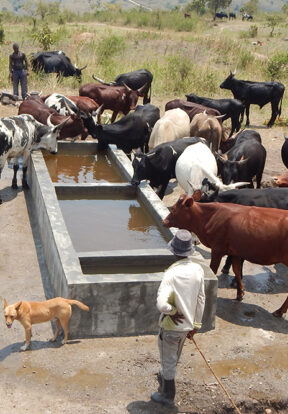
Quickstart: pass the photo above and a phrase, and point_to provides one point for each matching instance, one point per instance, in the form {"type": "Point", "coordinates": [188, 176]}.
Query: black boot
{"type": "Point", "coordinates": [167, 395]}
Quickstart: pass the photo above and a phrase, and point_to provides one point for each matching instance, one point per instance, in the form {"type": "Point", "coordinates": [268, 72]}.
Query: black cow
{"type": "Point", "coordinates": [150, 113]}
{"type": "Point", "coordinates": [55, 62]}
{"type": "Point", "coordinates": [245, 160]}
{"type": "Point", "coordinates": [284, 152]}
{"type": "Point", "coordinates": [240, 136]}
{"type": "Point", "coordinates": [221, 15]}
{"type": "Point", "coordinates": [135, 80]}
{"type": "Point", "coordinates": [265, 197]}
{"type": "Point", "coordinates": [231, 108]}
{"type": "Point", "coordinates": [130, 132]}
{"type": "Point", "coordinates": [258, 93]}
{"type": "Point", "coordinates": [158, 166]}
{"type": "Point", "coordinates": [232, 16]}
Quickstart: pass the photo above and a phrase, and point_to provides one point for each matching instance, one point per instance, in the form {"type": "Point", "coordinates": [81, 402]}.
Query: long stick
{"type": "Point", "coordinates": [219, 381]}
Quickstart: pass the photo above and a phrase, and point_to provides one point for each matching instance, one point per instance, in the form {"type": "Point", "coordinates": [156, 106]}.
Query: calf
{"type": "Point", "coordinates": [158, 165]}
{"type": "Point", "coordinates": [208, 127]}
{"type": "Point", "coordinates": [261, 238]}
{"type": "Point", "coordinates": [244, 161]}
{"type": "Point", "coordinates": [174, 124]}
{"type": "Point", "coordinates": [19, 135]}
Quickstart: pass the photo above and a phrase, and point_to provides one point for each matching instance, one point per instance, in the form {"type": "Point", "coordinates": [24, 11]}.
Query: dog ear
{"type": "Point", "coordinates": [5, 303]}
{"type": "Point", "coordinates": [17, 305]}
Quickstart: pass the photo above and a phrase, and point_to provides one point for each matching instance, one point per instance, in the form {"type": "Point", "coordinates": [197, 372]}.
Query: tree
{"type": "Point", "coordinates": [285, 9]}
{"type": "Point", "coordinates": [272, 20]}
{"type": "Point", "coordinates": [215, 5]}
{"type": "Point", "coordinates": [251, 7]}
{"type": "Point", "coordinates": [196, 5]}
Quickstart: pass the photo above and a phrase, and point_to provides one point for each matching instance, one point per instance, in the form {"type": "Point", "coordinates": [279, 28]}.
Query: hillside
{"type": "Point", "coordinates": [86, 5]}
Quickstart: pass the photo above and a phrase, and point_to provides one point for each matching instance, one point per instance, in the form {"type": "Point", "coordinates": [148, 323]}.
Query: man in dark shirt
{"type": "Point", "coordinates": [18, 71]}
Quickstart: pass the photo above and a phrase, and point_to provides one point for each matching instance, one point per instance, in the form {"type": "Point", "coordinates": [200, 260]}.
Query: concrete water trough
{"type": "Point", "coordinates": [103, 240]}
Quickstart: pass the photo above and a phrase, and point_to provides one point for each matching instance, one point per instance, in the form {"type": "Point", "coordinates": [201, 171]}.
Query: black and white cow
{"type": "Point", "coordinates": [19, 135]}
{"type": "Point", "coordinates": [65, 106]}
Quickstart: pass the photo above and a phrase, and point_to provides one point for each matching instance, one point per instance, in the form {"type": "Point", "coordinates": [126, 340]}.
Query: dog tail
{"type": "Point", "coordinates": [79, 304]}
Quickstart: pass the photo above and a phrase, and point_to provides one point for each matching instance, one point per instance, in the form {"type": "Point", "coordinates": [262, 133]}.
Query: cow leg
{"type": "Point", "coordinates": [274, 108]}
{"type": "Point", "coordinates": [225, 269]}
{"type": "Point", "coordinates": [247, 115]}
{"type": "Point", "coordinates": [114, 116]}
{"type": "Point", "coordinates": [237, 269]}
{"type": "Point", "coordinates": [279, 313]}
{"type": "Point", "coordinates": [24, 179]}
{"type": "Point", "coordinates": [14, 180]}
{"type": "Point", "coordinates": [162, 190]}
{"type": "Point", "coordinates": [215, 261]}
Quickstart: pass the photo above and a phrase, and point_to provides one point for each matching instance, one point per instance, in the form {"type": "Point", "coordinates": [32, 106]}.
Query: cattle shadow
{"type": "Point", "coordinates": [250, 315]}
{"type": "Point", "coordinates": [8, 193]}
{"type": "Point", "coordinates": [150, 407]}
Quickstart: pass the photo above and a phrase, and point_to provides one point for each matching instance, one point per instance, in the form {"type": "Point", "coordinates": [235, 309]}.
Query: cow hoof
{"type": "Point", "coordinates": [25, 186]}
{"type": "Point", "coordinates": [239, 298]}
{"type": "Point", "coordinates": [15, 186]}
{"type": "Point", "coordinates": [277, 314]}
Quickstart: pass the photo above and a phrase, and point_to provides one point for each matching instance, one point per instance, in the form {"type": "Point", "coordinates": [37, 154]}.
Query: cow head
{"type": "Point", "coordinates": [231, 171]}
{"type": "Point", "coordinates": [140, 168]}
{"type": "Point", "coordinates": [180, 213]}
{"type": "Point", "coordinates": [48, 139]}
{"type": "Point", "coordinates": [228, 82]}
{"type": "Point", "coordinates": [132, 96]}
{"type": "Point", "coordinates": [78, 72]}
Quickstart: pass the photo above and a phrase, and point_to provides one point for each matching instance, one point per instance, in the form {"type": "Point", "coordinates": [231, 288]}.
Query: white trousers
{"type": "Point", "coordinates": [170, 345]}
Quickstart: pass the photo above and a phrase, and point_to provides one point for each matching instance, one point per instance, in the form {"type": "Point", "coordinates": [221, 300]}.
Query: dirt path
{"type": "Point", "coordinates": [247, 350]}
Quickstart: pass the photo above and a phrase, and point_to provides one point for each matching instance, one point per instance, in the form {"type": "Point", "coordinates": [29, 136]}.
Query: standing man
{"type": "Point", "coordinates": [181, 300]}
{"type": "Point", "coordinates": [18, 71]}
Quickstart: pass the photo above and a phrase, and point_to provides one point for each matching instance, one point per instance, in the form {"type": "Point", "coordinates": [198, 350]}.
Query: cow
{"type": "Point", "coordinates": [150, 113]}
{"type": "Point", "coordinates": [257, 93]}
{"type": "Point", "coordinates": [130, 132]}
{"type": "Point", "coordinates": [246, 16]}
{"type": "Point", "coordinates": [116, 98]}
{"type": "Point", "coordinates": [261, 238]}
{"type": "Point", "coordinates": [208, 127]}
{"type": "Point", "coordinates": [158, 165]}
{"type": "Point", "coordinates": [221, 15]}
{"type": "Point", "coordinates": [174, 124]}
{"type": "Point", "coordinates": [244, 161]}
{"type": "Point", "coordinates": [196, 163]}
{"type": "Point", "coordinates": [243, 134]}
{"type": "Point", "coordinates": [230, 108]}
{"type": "Point", "coordinates": [137, 79]}
{"type": "Point", "coordinates": [21, 134]}
{"type": "Point", "coordinates": [281, 180]}
{"type": "Point", "coordinates": [35, 106]}
{"type": "Point", "coordinates": [67, 106]}
{"type": "Point", "coordinates": [266, 197]}
{"type": "Point", "coordinates": [232, 16]}
{"type": "Point", "coordinates": [190, 108]}
{"type": "Point", "coordinates": [284, 151]}
{"type": "Point", "coordinates": [55, 62]}
{"type": "Point", "coordinates": [187, 15]}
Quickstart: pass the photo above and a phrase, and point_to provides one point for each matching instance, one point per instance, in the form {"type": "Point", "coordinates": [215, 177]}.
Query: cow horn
{"type": "Point", "coordinates": [100, 80]}
{"type": "Point", "coordinates": [49, 123]}
{"type": "Point", "coordinates": [61, 125]}
{"type": "Point", "coordinates": [234, 72]}
{"type": "Point", "coordinates": [140, 90]}
{"type": "Point", "coordinates": [127, 87]}
{"type": "Point", "coordinates": [220, 116]}
{"type": "Point", "coordinates": [151, 154]}
{"type": "Point", "coordinates": [222, 158]}
{"type": "Point", "coordinates": [84, 67]}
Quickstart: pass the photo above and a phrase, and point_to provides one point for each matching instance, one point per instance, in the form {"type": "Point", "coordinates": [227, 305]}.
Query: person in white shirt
{"type": "Point", "coordinates": [181, 300]}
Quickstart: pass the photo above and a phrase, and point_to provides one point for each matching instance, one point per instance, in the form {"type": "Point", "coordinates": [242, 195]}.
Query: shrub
{"type": "Point", "coordinates": [277, 66]}
{"type": "Point", "coordinates": [45, 37]}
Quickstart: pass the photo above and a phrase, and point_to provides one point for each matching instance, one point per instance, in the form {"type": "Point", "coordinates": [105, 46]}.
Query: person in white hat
{"type": "Point", "coordinates": [181, 300]}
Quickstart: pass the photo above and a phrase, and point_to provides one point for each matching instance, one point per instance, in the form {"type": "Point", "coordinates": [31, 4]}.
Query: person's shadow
{"type": "Point", "coordinates": [150, 407]}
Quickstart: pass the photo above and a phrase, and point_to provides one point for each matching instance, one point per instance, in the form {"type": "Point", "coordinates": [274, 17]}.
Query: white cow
{"type": "Point", "coordinates": [174, 124]}
{"type": "Point", "coordinates": [196, 163]}
{"type": "Point", "coordinates": [19, 135]}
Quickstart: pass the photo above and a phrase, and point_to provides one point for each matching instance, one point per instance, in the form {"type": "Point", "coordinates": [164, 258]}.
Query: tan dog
{"type": "Point", "coordinates": [28, 313]}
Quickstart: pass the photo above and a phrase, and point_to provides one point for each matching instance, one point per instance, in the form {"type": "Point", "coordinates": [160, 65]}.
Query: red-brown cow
{"type": "Point", "coordinates": [256, 234]}
{"type": "Point", "coordinates": [281, 180]}
{"type": "Point", "coordinates": [191, 108]}
{"type": "Point", "coordinates": [116, 98]}
{"type": "Point", "coordinates": [41, 112]}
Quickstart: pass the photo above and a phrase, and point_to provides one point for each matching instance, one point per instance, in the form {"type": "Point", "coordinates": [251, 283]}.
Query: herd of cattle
{"type": "Point", "coordinates": [187, 143]}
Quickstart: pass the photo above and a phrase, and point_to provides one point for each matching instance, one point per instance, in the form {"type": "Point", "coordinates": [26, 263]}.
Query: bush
{"type": "Point", "coordinates": [45, 37]}
{"type": "Point", "coordinates": [277, 66]}
{"type": "Point", "coordinates": [2, 35]}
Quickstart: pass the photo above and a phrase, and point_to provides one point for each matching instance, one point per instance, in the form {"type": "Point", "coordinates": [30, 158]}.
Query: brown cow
{"type": "Point", "coordinates": [281, 180]}
{"type": "Point", "coordinates": [190, 108]}
{"type": "Point", "coordinates": [208, 127]}
{"type": "Point", "coordinates": [116, 98]}
{"type": "Point", "coordinates": [256, 234]}
{"type": "Point", "coordinates": [34, 106]}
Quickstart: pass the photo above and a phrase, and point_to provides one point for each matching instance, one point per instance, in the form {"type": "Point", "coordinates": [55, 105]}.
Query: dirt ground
{"type": "Point", "coordinates": [247, 350]}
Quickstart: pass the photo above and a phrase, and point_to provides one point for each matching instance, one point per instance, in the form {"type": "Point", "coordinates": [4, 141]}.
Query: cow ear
{"type": "Point", "coordinates": [197, 195]}
{"type": "Point", "coordinates": [188, 202]}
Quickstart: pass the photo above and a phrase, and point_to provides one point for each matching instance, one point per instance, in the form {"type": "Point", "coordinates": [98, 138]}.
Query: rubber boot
{"type": "Point", "coordinates": [167, 395]}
